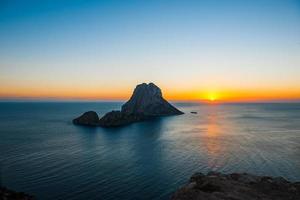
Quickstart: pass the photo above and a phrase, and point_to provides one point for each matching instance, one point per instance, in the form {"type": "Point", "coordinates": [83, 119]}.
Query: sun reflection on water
{"type": "Point", "coordinates": [213, 136]}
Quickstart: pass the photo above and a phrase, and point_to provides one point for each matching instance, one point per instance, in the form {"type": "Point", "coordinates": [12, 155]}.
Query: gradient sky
{"type": "Point", "coordinates": [228, 50]}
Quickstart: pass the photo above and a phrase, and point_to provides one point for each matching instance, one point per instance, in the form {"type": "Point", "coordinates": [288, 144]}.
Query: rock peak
{"type": "Point", "coordinates": [147, 99]}
{"type": "Point", "coordinates": [150, 85]}
{"type": "Point", "coordinates": [147, 89]}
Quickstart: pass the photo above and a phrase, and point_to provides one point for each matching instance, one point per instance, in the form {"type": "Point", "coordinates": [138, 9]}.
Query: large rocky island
{"type": "Point", "coordinates": [146, 102]}
{"type": "Point", "coordinates": [237, 186]}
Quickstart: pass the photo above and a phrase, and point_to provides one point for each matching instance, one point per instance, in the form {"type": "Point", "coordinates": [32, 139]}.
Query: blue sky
{"type": "Point", "coordinates": [196, 46]}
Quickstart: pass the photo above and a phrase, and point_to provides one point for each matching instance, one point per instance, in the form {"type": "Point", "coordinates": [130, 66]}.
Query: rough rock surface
{"type": "Point", "coordinates": [146, 102]}
{"type": "Point", "coordinates": [117, 118]}
{"type": "Point", "coordinates": [6, 194]}
{"type": "Point", "coordinates": [217, 186]}
{"type": "Point", "coordinates": [147, 99]}
{"type": "Point", "coordinates": [89, 118]}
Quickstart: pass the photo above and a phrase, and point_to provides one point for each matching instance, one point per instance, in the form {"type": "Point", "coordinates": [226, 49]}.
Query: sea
{"type": "Point", "coordinates": [42, 153]}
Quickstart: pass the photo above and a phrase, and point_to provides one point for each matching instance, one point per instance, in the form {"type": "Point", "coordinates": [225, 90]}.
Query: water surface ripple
{"type": "Point", "coordinates": [43, 153]}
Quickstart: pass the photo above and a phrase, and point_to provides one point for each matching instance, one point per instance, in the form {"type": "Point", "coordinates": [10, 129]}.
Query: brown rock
{"type": "Point", "coordinates": [218, 186]}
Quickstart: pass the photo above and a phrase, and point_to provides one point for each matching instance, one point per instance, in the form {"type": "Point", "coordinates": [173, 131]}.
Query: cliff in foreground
{"type": "Point", "coordinates": [218, 186]}
{"type": "Point", "coordinates": [6, 194]}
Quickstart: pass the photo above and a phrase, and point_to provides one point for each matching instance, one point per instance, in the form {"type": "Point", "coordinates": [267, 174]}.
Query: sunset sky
{"type": "Point", "coordinates": [234, 50]}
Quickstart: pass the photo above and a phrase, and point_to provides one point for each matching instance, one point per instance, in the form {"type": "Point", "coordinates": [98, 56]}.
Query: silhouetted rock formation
{"type": "Point", "coordinates": [6, 194]}
{"type": "Point", "coordinates": [217, 186]}
{"type": "Point", "coordinates": [89, 118]}
{"type": "Point", "coordinates": [146, 102]}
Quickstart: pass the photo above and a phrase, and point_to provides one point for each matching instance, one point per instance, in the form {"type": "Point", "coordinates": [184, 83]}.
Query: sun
{"type": "Point", "coordinates": [212, 98]}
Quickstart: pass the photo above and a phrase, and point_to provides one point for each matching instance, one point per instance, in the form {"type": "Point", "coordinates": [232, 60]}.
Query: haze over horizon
{"type": "Point", "coordinates": [193, 50]}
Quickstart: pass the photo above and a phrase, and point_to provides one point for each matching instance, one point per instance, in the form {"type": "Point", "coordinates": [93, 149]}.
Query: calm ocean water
{"type": "Point", "coordinates": [44, 154]}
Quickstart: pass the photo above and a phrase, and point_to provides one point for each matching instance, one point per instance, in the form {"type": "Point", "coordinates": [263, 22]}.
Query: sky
{"type": "Point", "coordinates": [231, 50]}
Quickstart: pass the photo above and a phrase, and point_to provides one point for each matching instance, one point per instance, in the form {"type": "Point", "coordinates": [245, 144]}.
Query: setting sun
{"type": "Point", "coordinates": [212, 96]}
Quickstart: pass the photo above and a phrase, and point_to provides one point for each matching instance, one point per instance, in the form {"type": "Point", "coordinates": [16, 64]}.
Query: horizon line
{"type": "Point", "coordinates": [218, 101]}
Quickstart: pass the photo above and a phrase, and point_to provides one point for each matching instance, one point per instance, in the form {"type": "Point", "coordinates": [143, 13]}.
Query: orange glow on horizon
{"type": "Point", "coordinates": [250, 95]}
{"type": "Point", "coordinates": [123, 93]}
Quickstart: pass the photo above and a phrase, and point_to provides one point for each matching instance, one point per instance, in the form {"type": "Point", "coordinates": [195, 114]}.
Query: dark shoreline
{"type": "Point", "coordinates": [237, 186]}
{"type": "Point", "coordinates": [8, 194]}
